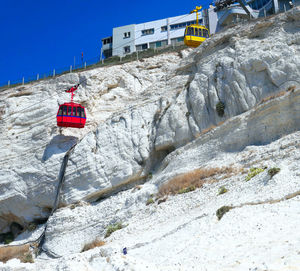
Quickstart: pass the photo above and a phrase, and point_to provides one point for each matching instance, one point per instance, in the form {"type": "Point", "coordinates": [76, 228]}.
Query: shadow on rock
{"type": "Point", "coordinates": [58, 144]}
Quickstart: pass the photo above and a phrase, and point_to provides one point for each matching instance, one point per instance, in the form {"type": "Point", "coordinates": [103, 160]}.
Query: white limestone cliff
{"type": "Point", "coordinates": [152, 116]}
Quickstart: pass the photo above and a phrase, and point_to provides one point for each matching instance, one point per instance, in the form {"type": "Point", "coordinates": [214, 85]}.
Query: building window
{"type": "Point", "coordinates": [182, 25]}
{"type": "Point", "coordinates": [164, 28]}
{"type": "Point", "coordinates": [126, 35]}
{"type": "Point", "coordinates": [148, 31]}
{"type": "Point", "coordinates": [158, 44]}
{"type": "Point", "coordinates": [142, 47]}
{"type": "Point", "coordinates": [107, 41]}
{"type": "Point", "coordinates": [126, 49]}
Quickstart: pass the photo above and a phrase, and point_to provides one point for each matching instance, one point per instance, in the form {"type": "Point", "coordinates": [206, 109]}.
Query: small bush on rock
{"type": "Point", "coordinates": [220, 108]}
{"type": "Point", "coordinates": [150, 201]}
{"type": "Point", "coordinates": [273, 171]}
{"type": "Point", "coordinates": [113, 228]}
{"type": "Point", "coordinates": [27, 258]}
{"type": "Point", "coordinates": [222, 190]}
{"type": "Point", "coordinates": [222, 211]}
{"type": "Point", "coordinates": [253, 172]}
{"type": "Point", "coordinates": [7, 237]}
{"type": "Point", "coordinates": [187, 189]}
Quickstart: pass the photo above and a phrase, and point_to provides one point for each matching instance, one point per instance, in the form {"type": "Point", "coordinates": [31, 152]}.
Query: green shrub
{"type": "Point", "coordinates": [7, 237]}
{"type": "Point", "coordinates": [112, 228]}
{"type": "Point", "coordinates": [150, 201]}
{"type": "Point", "coordinates": [253, 172]}
{"type": "Point", "coordinates": [273, 171]}
{"type": "Point", "coordinates": [31, 226]}
{"type": "Point", "coordinates": [187, 189]}
{"type": "Point", "coordinates": [27, 258]}
{"type": "Point", "coordinates": [220, 108]}
{"type": "Point", "coordinates": [222, 190]}
{"type": "Point", "coordinates": [222, 211]}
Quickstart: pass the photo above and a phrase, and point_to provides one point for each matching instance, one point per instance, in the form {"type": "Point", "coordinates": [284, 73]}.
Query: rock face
{"type": "Point", "coordinates": [151, 116]}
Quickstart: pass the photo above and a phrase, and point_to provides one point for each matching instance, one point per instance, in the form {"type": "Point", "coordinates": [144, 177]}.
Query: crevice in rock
{"type": "Point", "coordinates": [271, 201]}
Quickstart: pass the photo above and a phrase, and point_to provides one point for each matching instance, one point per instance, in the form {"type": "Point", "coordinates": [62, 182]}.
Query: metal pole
{"type": "Point", "coordinates": [37, 77]}
{"type": "Point", "coordinates": [70, 68]}
{"type": "Point", "coordinates": [284, 8]}
{"type": "Point", "coordinates": [53, 72]}
{"type": "Point", "coordinates": [8, 83]}
{"type": "Point", "coordinates": [120, 58]}
{"type": "Point", "coordinates": [23, 81]}
{"type": "Point", "coordinates": [74, 63]}
{"type": "Point", "coordinates": [85, 64]}
{"type": "Point", "coordinates": [265, 12]}
{"type": "Point", "coordinates": [137, 55]}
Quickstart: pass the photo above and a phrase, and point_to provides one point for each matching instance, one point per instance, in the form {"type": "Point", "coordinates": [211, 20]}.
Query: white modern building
{"type": "Point", "coordinates": [136, 37]}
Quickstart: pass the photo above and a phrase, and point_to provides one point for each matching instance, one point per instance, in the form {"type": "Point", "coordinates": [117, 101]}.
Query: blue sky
{"type": "Point", "coordinates": [39, 36]}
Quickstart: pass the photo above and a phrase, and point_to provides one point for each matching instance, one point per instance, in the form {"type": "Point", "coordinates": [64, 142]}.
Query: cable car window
{"type": "Point", "coordinates": [69, 110]}
{"type": "Point", "coordinates": [190, 31]}
{"type": "Point", "coordinates": [64, 110]}
{"type": "Point", "coordinates": [197, 31]}
{"type": "Point", "coordinates": [200, 32]}
{"type": "Point", "coordinates": [82, 113]}
{"type": "Point", "coordinates": [60, 111]}
{"type": "Point", "coordinates": [205, 33]}
{"type": "Point", "coordinates": [78, 112]}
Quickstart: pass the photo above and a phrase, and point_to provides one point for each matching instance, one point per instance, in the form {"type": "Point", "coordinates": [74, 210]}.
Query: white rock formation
{"type": "Point", "coordinates": [152, 116]}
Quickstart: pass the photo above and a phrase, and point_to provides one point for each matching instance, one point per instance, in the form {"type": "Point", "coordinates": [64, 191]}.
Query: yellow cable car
{"type": "Point", "coordinates": [195, 34]}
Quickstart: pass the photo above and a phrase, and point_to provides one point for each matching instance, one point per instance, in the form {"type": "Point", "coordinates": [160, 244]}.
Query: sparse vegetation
{"type": "Point", "coordinates": [112, 228]}
{"type": "Point", "coordinates": [271, 97]}
{"type": "Point", "coordinates": [91, 245]}
{"type": "Point", "coordinates": [7, 237]}
{"type": "Point", "coordinates": [273, 171]}
{"type": "Point", "coordinates": [222, 211]}
{"type": "Point", "coordinates": [150, 201]}
{"type": "Point", "coordinates": [187, 189]}
{"type": "Point", "coordinates": [20, 252]}
{"type": "Point", "coordinates": [253, 172]}
{"type": "Point", "coordinates": [27, 258]}
{"type": "Point", "coordinates": [222, 190]}
{"type": "Point", "coordinates": [196, 179]}
{"type": "Point", "coordinates": [31, 226]}
{"type": "Point", "coordinates": [220, 108]}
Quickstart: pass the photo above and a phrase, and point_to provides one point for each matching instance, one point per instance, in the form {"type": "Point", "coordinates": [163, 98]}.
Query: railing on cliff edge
{"type": "Point", "coordinates": [94, 63]}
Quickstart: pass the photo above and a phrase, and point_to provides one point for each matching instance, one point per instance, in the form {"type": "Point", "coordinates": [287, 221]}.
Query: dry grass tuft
{"type": "Point", "coordinates": [20, 252]}
{"type": "Point", "coordinates": [271, 97]}
{"type": "Point", "coordinates": [95, 243]}
{"type": "Point", "coordinates": [196, 178]}
{"type": "Point", "coordinates": [205, 131]}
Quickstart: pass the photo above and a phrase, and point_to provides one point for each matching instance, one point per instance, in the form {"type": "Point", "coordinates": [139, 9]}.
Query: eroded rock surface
{"type": "Point", "coordinates": [140, 112]}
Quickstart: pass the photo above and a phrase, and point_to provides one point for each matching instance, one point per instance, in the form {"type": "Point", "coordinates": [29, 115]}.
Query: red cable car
{"type": "Point", "coordinates": [71, 114]}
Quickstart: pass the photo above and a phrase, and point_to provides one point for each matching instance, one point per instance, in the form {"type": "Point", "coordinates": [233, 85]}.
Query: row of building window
{"type": "Point", "coordinates": [148, 31]}
{"type": "Point", "coordinates": [152, 45]}
{"type": "Point", "coordinates": [172, 27]}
